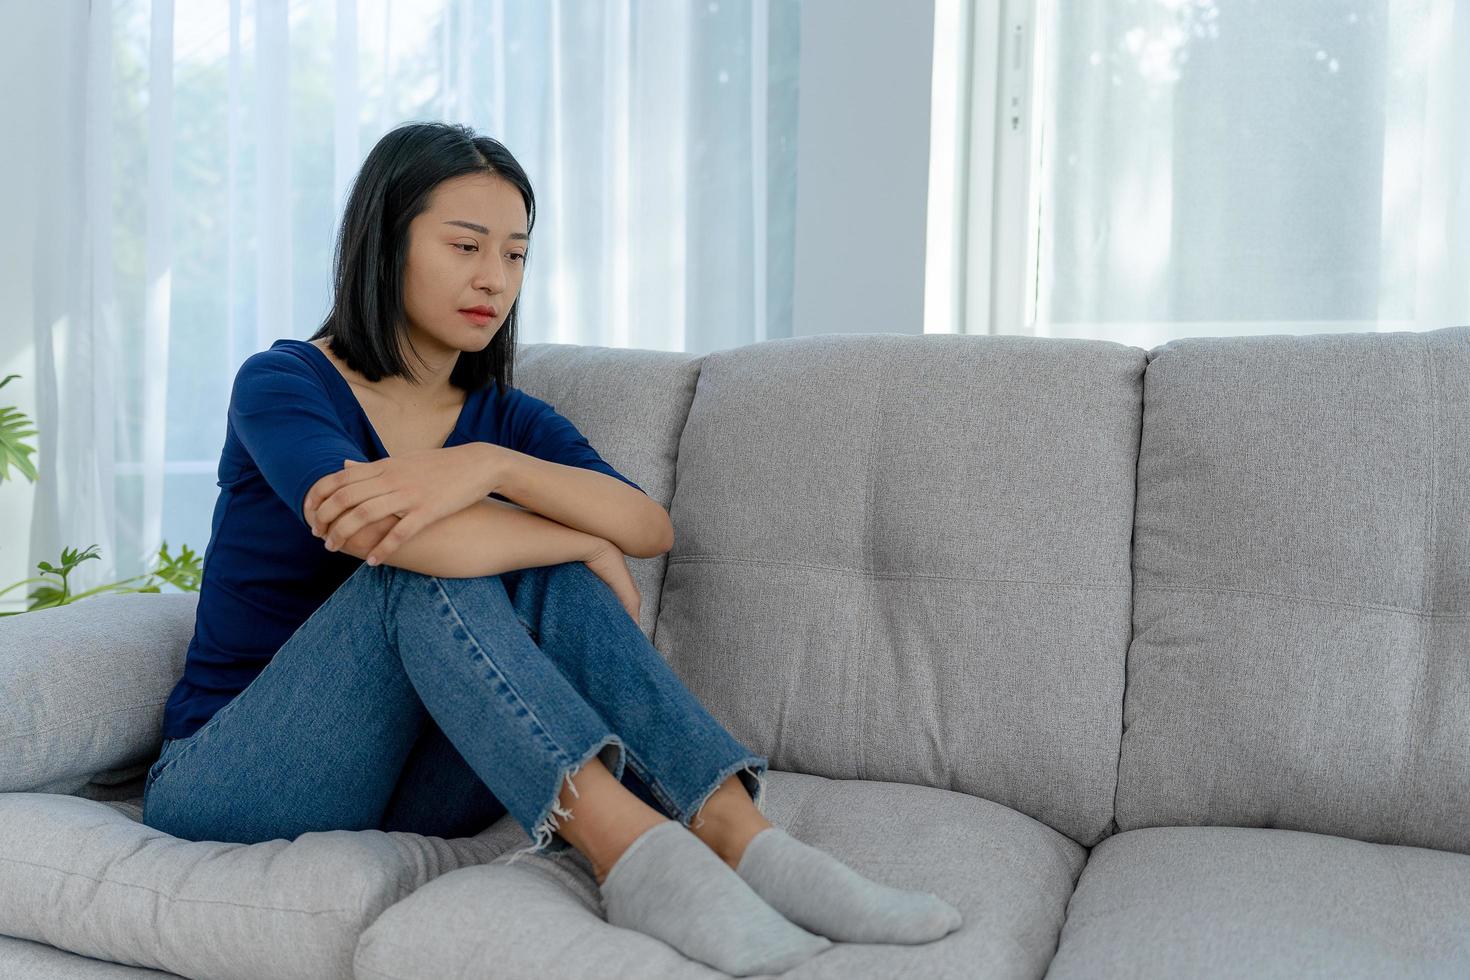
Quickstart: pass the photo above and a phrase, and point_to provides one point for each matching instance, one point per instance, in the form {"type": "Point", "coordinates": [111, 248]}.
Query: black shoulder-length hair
{"type": "Point", "coordinates": [367, 325]}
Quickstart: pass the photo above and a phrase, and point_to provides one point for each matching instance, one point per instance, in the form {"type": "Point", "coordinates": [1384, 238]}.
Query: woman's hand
{"type": "Point", "coordinates": [365, 540]}
{"type": "Point", "coordinates": [609, 565]}
{"type": "Point", "coordinates": [418, 488]}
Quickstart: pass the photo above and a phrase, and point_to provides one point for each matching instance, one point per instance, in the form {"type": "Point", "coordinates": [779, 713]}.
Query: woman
{"type": "Point", "coordinates": [385, 640]}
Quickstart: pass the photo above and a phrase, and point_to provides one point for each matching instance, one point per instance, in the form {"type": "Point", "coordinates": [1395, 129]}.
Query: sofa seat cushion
{"type": "Point", "coordinates": [85, 876]}
{"type": "Point", "coordinates": [21, 959]}
{"type": "Point", "coordinates": [1245, 902]}
{"type": "Point", "coordinates": [1009, 874]}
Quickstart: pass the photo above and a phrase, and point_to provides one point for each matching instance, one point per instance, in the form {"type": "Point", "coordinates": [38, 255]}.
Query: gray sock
{"type": "Point", "coordinates": [818, 892]}
{"type": "Point", "coordinates": [670, 886]}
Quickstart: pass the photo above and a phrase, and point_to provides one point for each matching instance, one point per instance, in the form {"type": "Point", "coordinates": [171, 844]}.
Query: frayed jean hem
{"type": "Point", "coordinates": [545, 836]}
{"type": "Point", "coordinates": [755, 766]}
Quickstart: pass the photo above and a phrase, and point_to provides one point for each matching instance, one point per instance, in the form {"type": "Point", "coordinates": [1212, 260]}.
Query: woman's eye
{"type": "Point", "coordinates": [465, 245]}
{"type": "Point", "coordinates": [517, 255]}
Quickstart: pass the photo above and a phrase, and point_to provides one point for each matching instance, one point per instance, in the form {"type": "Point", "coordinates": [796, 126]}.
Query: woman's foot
{"type": "Point", "coordinates": [818, 892]}
{"type": "Point", "coordinates": [810, 887]}
{"type": "Point", "coordinates": [670, 886]}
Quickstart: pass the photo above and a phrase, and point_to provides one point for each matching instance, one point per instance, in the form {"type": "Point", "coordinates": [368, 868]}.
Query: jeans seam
{"type": "Point", "coordinates": [562, 755]}
{"type": "Point", "coordinates": [194, 739]}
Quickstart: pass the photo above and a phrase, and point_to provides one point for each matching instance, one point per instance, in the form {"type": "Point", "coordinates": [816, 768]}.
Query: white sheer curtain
{"type": "Point", "coordinates": [1222, 167]}
{"type": "Point", "coordinates": [205, 151]}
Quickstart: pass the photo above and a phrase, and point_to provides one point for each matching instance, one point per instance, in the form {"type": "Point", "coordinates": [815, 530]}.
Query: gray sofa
{"type": "Point", "coordinates": [1154, 663]}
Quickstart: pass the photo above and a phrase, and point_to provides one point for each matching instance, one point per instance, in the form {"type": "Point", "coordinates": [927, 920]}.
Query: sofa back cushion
{"type": "Point", "coordinates": [1301, 651]}
{"type": "Point", "coordinates": [905, 558]}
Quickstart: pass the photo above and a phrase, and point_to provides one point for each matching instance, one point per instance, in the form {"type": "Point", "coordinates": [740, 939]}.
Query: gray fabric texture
{"type": "Point", "coordinates": [1301, 651]}
{"type": "Point", "coordinates": [1009, 874]}
{"type": "Point", "coordinates": [906, 559]}
{"type": "Point", "coordinates": [82, 687]}
{"type": "Point", "coordinates": [1217, 902]}
{"type": "Point", "coordinates": [82, 876]}
{"type": "Point", "coordinates": [21, 959]}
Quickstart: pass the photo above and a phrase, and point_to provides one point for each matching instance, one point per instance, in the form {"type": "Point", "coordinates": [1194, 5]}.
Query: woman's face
{"type": "Point", "coordinates": [467, 249]}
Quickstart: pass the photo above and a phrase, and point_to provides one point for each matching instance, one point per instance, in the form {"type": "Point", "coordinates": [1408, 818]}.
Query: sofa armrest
{"type": "Point", "coordinates": [82, 686]}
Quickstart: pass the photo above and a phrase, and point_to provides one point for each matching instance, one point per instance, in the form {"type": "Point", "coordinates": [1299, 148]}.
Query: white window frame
{"type": "Point", "coordinates": [985, 139]}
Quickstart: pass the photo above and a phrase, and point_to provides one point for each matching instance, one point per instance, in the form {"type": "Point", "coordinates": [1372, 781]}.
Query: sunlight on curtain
{"type": "Point", "coordinates": [1223, 167]}
{"type": "Point", "coordinates": [659, 139]}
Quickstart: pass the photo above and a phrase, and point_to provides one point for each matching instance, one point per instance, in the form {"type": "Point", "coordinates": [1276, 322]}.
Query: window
{"type": "Point", "coordinates": [1137, 170]}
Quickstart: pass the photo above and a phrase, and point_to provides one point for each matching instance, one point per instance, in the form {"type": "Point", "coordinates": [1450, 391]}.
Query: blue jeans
{"type": "Point", "coordinates": [435, 705]}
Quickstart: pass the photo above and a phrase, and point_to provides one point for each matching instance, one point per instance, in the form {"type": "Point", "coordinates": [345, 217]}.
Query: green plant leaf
{"type": "Point", "coordinates": [12, 430]}
{"type": "Point", "coordinates": [45, 597]}
{"type": "Point", "coordinates": [12, 449]}
{"type": "Point", "coordinates": [184, 571]}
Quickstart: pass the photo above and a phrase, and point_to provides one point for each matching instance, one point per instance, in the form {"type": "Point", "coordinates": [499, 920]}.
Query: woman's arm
{"type": "Point", "coordinates": [584, 499]}
{"type": "Point", "coordinates": [486, 538]}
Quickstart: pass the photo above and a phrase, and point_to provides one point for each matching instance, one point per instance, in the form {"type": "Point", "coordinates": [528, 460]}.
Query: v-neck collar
{"type": "Point", "coordinates": [347, 399]}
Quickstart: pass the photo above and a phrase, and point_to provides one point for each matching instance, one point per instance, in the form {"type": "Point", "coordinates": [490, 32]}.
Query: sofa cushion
{"type": "Point", "coordinates": [906, 559]}
{"type": "Point", "coordinates": [21, 959]}
{"type": "Point", "coordinates": [1008, 874]}
{"type": "Point", "coordinates": [1301, 652]}
{"type": "Point", "coordinates": [1239, 902]}
{"type": "Point", "coordinates": [83, 876]}
{"type": "Point", "coordinates": [82, 686]}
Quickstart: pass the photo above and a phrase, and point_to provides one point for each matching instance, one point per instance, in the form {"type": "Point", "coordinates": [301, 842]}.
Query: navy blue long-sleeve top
{"type": "Point", "coordinates": [293, 419]}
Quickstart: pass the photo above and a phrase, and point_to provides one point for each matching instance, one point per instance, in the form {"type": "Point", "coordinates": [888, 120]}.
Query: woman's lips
{"type": "Point", "coordinates": [479, 319]}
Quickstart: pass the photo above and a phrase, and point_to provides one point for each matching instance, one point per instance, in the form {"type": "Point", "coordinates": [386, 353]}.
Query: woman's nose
{"type": "Point", "coordinates": [491, 276]}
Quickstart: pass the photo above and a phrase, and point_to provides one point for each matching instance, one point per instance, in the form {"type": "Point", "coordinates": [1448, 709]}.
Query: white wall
{"type": "Point", "coordinates": [31, 62]}
{"type": "Point", "coordinates": [862, 166]}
